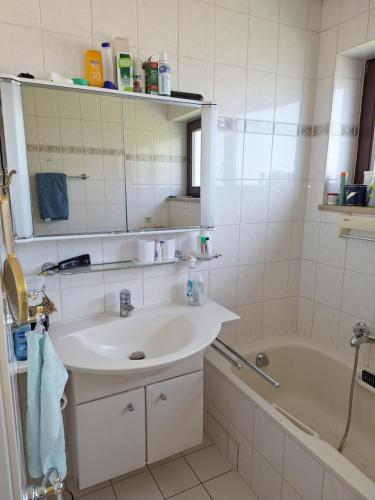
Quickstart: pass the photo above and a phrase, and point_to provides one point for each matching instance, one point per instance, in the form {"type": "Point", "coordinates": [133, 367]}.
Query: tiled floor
{"type": "Point", "coordinates": [201, 473]}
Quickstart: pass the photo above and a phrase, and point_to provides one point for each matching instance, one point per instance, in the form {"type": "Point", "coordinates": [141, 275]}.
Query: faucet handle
{"type": "Point", "coordinates": [360, 329]}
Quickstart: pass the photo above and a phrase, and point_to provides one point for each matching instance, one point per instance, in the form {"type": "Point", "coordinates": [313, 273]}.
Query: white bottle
{"type": "Point", "coordinates": [194, 285]}
{"type": "Point", "coordinates": [157, 251]}
{"type": "Point", "coordinates": [108, 64]}
{"type": "Point", "coordinates": [164, 75]}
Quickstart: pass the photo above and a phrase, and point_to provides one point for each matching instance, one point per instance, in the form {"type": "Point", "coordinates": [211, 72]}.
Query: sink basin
{"type": "Point", "coordinates": [165, 335]}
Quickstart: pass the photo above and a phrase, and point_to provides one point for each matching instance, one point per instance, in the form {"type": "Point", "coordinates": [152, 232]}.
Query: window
{"type": "Point", "coordinates": [193, 158]}
{"type": "Point", "coordinates": [366, 139]}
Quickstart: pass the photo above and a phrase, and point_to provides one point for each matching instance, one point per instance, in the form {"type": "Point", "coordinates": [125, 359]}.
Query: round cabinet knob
{"type": "Point", "coordinates": [130, 407]}
{"type": "Point", "coordinates": [163, 396]}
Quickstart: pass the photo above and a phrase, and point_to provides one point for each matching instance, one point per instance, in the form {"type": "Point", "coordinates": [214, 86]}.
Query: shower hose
{"type": "Point", "coordinates": [350, 408]}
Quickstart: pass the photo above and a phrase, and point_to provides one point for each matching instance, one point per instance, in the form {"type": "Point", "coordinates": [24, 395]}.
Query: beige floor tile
{"type": "Point", "coordinates": [208, 463]}
{"type": "Point", "coordinates": [103, 494]}
{"type": "Point", "coordinates": [197, 493]}
{"type": "Point", "coordinates": [139, 487]}
{"type": "Point", "coordinates": [205, 444]}
{"type": "Point", "coordinates": [229, 485]}
{"type": "Point", "coordinates": [174, 477]}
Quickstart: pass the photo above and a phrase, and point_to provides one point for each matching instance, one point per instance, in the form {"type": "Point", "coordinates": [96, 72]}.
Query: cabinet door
{"type": "Point", "coordinates": [174, 415]}
{"type": "Point", "coordinates": [110, 437]}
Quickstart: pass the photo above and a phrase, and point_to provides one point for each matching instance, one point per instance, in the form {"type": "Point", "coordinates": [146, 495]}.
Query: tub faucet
{"type": "Point", "coordinates": [126, 307]}
{"type": "Point", "coordinates": [361, 335]}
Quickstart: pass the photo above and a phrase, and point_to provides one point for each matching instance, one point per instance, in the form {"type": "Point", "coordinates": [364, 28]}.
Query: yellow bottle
{"type": "Point", "coordinates": [94, 68]}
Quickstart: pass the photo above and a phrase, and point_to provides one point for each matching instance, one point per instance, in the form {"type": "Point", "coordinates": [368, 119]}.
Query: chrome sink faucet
{"type": "Point", "coordinates": [126, 306]}
{"type": "Point", "coordinates": [361, 335]}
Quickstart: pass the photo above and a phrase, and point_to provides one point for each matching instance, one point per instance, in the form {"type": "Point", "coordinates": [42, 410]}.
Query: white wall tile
{"type": "Point", "coordinates": [250, 284]}
{"type": "Point", "coordinates": [269, 440]}
{"type": "Point", "coordinates": [252, 244]}
{"type": "Point", "coordinates": [325, 326]}
{"type": "Point", "coordinates": [241, 413]}
{"type": "Point", "coordinates": [352, 9]}
{"type": "Point", "coordinates": [328, 286]}
{"type": "Point", "coordinates": [302, 472]}
{"type": "Point", "coordinates": [157, 25]}
{"type": "Point", "coordinates": [278, 241]}
{"type": "Point", "coordinates": [260, 95]}
{"type": "Point", "coordinates": [292, 44]}
{"type": "Point", "coordinates": [230, 104]}
{"type": "Point", "coordinates": [196, 30]}
{"type": "Point", "coordinates": [16, 55]}
{"type": "Point", "coordinates": [275, 280]}
{"type": "Point", "coordinates": [57, 16]}
{"type": "Point", "coordinates": [352, 32]}
{"type": "Point", "coordinates": [334, 490]}
{"type": "Point", "coordinates": [289, 94]}
{"type": "Point", "coordinates": [294, 12]}
{"type": "Point", "coordinates": [263, 40]}
{"type": "Point", "coordinates": [359, 295]}
{"type": "Point", "coordinates": [254, 201]}
{"type": "Point", "coordinates": [327, 52]}
{"type": "Point", "coordinates": [231, 37]}
{"type": "Point", "coordinates": [288, 493]}
{"type": "Point", "coordinates": [268, 9]}
{"type": "Point", "coordinates": [222, 286]}
{"type": "Point", "coordinates": [332, 249]}
{"type": "Point", "coordinates": [257, 156]}
{"type": "Point", "coordinates": [266, 482]}
{"type": "Point", "coordinates": [330, 13]}
{"type": "Point", "coordinates": [274, 318]}
{"type": "Point", "coordinates": [24, 12]}
{"type": "Point", "coordinates": [239, 5]}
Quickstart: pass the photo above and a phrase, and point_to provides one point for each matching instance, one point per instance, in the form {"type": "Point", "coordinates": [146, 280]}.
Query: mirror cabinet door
{"type": "Point", "coordinates": [156, 166]}
{"type": "Point", "coordinates": [75, 156]}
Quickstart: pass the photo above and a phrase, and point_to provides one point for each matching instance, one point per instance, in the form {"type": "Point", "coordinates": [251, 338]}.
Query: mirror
{"type": "Point", "coordinates": [75, 156]}
{"type": "Point", "coordinates": [156, 165]}
{"type": "Point", "coordinates": [94, 161]}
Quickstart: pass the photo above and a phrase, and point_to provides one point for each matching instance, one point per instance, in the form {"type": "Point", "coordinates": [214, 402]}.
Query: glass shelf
{"type": "Point", "coordinates": [124, 264]}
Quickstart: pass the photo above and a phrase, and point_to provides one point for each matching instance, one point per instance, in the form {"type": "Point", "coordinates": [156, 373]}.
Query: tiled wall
{"type": "Point", "coordinates": [337, 275]}
{"type": "Point", "coordinates": [258, 60]}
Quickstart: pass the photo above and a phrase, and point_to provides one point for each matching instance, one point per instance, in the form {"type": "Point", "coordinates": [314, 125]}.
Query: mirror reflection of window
{"type": "Point", "coordinates": [196, 158]}
{"type": "Point", "coordinates": [194, 139]}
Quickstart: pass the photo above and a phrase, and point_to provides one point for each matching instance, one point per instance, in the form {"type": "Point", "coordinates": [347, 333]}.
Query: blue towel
{"type": "Point", "coordinates": [46, 379]}
{"type": "Point", "coordinates": [52, 196]}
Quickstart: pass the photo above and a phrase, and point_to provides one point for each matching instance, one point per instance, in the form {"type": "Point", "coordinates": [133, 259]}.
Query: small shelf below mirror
{"type": "Point", "coordinates": [122, 265]}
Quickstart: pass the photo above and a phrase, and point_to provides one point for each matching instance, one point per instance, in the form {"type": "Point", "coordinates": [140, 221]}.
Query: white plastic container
{"type": "Point", "coordinates": [168, 250]}
{"type": "Point", "coordinates": [108, 64]}
{"type": "Point", "coordinates": [146, 251]}
{"type": "Point", "coordinates": [164, 75]}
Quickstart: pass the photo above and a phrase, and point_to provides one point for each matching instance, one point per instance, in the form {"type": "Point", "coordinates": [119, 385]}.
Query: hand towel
{"type": "Point", "coordinates": [46, 379]}
{"type": "Point", "coordinates": [52, 196]}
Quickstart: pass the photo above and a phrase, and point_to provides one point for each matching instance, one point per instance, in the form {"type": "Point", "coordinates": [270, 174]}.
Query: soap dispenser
{"type": "Point", "coordinates": [194, 285]}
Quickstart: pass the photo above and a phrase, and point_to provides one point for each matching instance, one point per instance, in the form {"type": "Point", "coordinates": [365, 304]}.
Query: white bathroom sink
{"type": "Point", "coordinates": [165, 335]}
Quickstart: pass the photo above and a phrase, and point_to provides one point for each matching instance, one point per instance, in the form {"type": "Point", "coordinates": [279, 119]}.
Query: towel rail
{"type": "Point", "coordinates": [243, 360]}
{"type": "Point", "coordinates": [83, 177]}
{"type": "Point", "coordinates": [228, 358]}
{"type": "Point", "coordinates": [350, 237]}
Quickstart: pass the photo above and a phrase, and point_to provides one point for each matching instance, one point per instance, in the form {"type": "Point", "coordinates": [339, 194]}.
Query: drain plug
{"type": "Point", "coordinates": [137, 355]}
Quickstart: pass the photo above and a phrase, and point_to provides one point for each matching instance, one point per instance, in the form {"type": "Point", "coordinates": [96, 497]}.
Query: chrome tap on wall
{"type": "Point", "coordinates": [361, 335]}
{"type": "Point", "coordinates": [126, 306]}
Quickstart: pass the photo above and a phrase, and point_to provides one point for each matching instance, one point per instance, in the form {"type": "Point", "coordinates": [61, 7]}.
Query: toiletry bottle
{"type": "Point", "coordinates": [202, 240]}
{"type": "Point", "coordinates": [343, 183]}
{"type": "Point", "coordinates": [124, 66]}
{"type": "Point", "coordinates": [138, 76]}
{"type": "Point", "coordinates": [157, 251]}
{"type": "Point", "coordinates": [194, 285]}
{"type": "Point", "coordinates": [94, 68]}
{"type": "Point", "coordinates": [108, 68]}
{"type": "Point", "coordinates": [164, 76]}
{"type": "Point", "coordinates": [208, 247]}
{"type": "Point", "coordinates": [371, 199]}
{"type": "Point", "coordinates": [20, 342]}
{"type": "Point", "coordinates": [152, 76]}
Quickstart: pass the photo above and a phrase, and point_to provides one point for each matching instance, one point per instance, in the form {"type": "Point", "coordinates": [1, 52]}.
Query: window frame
{"type": "Point", "coordinates": [366, 139]}
{"type": "Point", "coordinates": [191, 127]}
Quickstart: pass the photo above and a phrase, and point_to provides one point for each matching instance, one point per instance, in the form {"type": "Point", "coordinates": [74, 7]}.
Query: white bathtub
{"type": "Point", "coordinates": [283, 441]}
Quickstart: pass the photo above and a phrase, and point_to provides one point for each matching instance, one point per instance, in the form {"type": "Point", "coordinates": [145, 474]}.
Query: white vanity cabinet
{"type": "Point", "coordinates": [174, 415]}
{"type": "Point", "coordinates": [110, 437]}
{"type": "Point", "coordinates": [116, 424]}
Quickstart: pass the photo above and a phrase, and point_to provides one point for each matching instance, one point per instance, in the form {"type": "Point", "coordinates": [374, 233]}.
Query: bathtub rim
{"type": "Point", "coordinates": [339, 466]}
